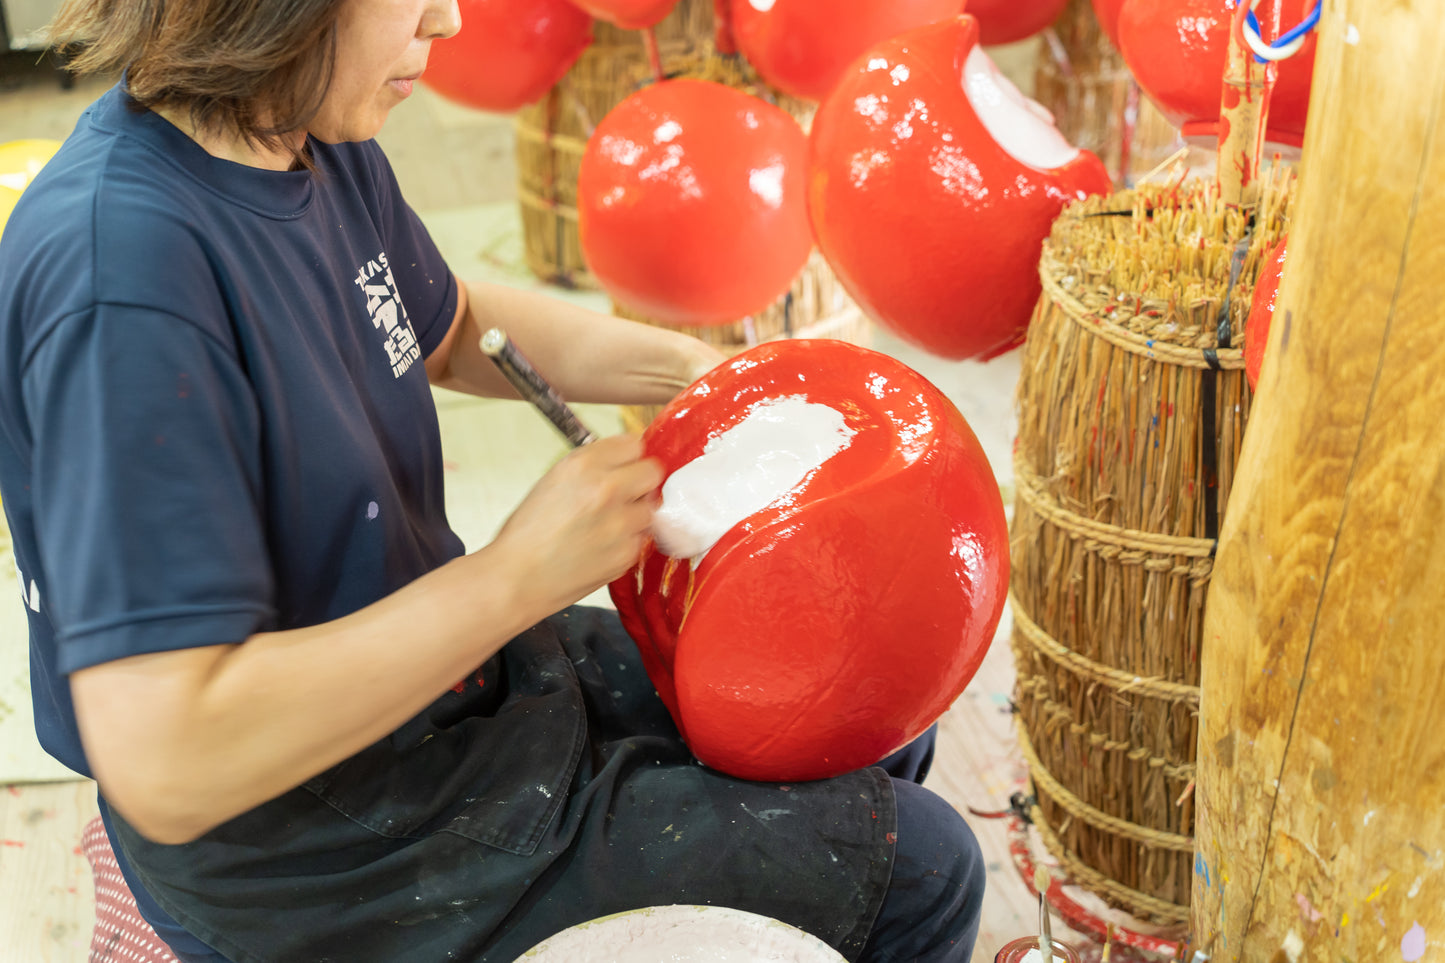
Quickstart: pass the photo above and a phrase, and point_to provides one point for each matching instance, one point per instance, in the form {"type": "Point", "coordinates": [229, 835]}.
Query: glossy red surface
{"type": "Point", "coordinates": [630, 14]}
{"type": "Point", "coordinates": [802, 47]}
{"type": "Point", "coordinates": [691, 202]}
{"type": "Point", "coordinates": [508, 53]}
{"type": "Point", "coordinates": [1176, 50]}
{"type": "Point", "coordinates": [1261, 312]}
{"type": "Point", "coordinates": [835, 625]}
{"type": "Point", "coordinates": [1007, 21]}
{"type": "Point", "coordinates": [933, 228]}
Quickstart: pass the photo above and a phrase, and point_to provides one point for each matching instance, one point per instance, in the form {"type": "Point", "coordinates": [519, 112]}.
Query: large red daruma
{"type": "Point", "coordinates": [932, 185]}
{"type": "Point", "coordinates": [508, 53]}
{"type": "Point", "coordinates": [691, 203]}
{"type": "Point", "coordinates": [859, 567]}
{"type": "Point", "coordinates": [802, 47]}
{"type": "Point", "coordinates": [1176, 49]}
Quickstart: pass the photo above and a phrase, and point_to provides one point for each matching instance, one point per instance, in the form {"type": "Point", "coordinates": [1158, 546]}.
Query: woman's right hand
{"type": "Point", "coordinates": [585, 522]}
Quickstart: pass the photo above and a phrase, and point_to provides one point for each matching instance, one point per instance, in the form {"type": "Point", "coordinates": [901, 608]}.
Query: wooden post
{"type": "Point", "coordinates": [1321, 828]}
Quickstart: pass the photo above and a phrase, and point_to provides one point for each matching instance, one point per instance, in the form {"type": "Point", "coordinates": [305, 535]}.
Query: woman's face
{"type": "Point", "coordinates": [381, 49]}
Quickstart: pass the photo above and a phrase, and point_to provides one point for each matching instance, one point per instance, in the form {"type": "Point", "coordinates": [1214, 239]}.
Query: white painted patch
{"type": "Point", "coordinates": [745, 469]}
{"type": "Point", "coordinates": [1022, 127]}
{"type": "Point", "coordinates": [1352, 35]}
{"type": "Point", "coordinates": [372, 509]}
{"type": "Point", "coordinates": [761, 6]}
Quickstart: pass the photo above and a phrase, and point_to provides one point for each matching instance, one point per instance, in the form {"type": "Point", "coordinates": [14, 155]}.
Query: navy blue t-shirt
{"type": "Point", "coordinates": [214, 417]}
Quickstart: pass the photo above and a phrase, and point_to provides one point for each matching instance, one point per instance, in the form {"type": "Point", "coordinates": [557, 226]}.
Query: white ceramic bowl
{"type": "Point", "coordinates": [683, 934]}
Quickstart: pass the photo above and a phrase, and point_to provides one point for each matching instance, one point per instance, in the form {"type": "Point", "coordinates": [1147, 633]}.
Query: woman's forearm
{"type": "Point", "coordinates": [182, 741]}
{"type": "Point", "coordinates": [587, 356]}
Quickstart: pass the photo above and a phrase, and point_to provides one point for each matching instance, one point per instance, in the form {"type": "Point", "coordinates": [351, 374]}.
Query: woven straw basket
{"type": "Point", "coordinates": [552, 135]}
{"type": "Point", "coordinates": [1132, 408]}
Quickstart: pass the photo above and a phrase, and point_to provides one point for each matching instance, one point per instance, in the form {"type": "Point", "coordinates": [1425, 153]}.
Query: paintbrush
{"type": "Point", "coordinates": [1046, 936]}
{"type": "Point", "coordinates": [533, 387]}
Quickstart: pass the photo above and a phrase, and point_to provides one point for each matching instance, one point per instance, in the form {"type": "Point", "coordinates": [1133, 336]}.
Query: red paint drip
{"type": "Point", "coordinates": [14, 843]}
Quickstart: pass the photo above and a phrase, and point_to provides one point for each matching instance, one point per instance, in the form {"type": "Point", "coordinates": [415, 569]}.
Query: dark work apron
{"type": "Point", "coordinates": [555, 791]}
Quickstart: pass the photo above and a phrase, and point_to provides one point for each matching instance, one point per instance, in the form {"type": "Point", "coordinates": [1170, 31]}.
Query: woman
{"type": "Point", "coordinates": [221, 466]}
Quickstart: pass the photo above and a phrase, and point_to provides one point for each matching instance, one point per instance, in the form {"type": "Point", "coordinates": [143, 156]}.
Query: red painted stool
{"type": "Point", "coordinates": [120, 932]}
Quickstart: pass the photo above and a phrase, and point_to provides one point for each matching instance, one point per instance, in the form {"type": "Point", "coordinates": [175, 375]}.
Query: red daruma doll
{"type": "Point", "coordinates": [829, 565]}
{"type": "Point", "coordinates": [508, 53]}
{"type": "Point", "coordinates": [691, 203]}
{"type": "Point", "coordinates": [932, 183]}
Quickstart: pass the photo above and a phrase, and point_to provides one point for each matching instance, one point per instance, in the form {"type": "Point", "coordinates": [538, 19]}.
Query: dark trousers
{"type": "Point", "coordinates": [934, 900]}
{"type": "Point", "coordinates": [556, 792]}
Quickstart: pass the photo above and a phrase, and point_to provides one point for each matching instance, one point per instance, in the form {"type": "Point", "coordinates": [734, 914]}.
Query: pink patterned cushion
{"type": "Point", "coordinates": [120, 935]}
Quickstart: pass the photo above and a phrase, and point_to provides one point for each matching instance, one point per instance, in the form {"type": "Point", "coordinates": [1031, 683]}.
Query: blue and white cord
{"type": "Point", "coordinates": [1287, 44]}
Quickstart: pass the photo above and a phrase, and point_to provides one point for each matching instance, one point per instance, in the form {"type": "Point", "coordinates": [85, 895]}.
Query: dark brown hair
{"type": "Point", "coordinates": [258, 68]}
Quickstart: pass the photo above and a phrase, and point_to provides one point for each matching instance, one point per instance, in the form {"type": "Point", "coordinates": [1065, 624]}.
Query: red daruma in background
{"type": "Point", "coordinates": [1177, 48]}
{"type": "Point", "coordinates": [830, 565]}
{"type": "Point", "coordinates": [932, 184]}
{"type": "Point", "coordinates": [1261, 312]}
{"type": "Point", "coordinates": [691, 203]}
{"type": "Point", "coordinates": [508, 53]}
{"type": "Point", "coordinates": [802, 47]}
{"type": "Point", "coordinates": [1008, 21]}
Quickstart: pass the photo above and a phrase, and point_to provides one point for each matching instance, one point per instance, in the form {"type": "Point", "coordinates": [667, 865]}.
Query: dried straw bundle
{"type": "Point", "coordinates": [1132, 409]}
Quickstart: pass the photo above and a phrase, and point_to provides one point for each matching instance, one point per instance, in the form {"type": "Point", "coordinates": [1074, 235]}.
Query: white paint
{"type": "Point", "coordinates": [372, 509]}
{"type": "Point", "coordinates": [667, 132]}
{"type": "Point", "coordinates": [1415, 888]}
{"type": "Point", "coordinates": [1370, 815]}
{"type": "Point", "coordinates": [1352, 35]}
{"type": "Point", "coordinates": [761, 6]}
{"type": "Point", "coordinates": [34, 596]}
{"type": "Point", "coordinates": [1023, 128]}
{"type": "Point", "coordinates": [745, 469]}
{"type": "Point", "coordinates": [1036, 955]}
{"type": "Point", "coordinates": [1294, 946]}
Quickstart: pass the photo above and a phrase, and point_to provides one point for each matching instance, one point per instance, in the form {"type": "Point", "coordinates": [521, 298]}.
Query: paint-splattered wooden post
{"type": "Point", "coordinates": [1321, 827]}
